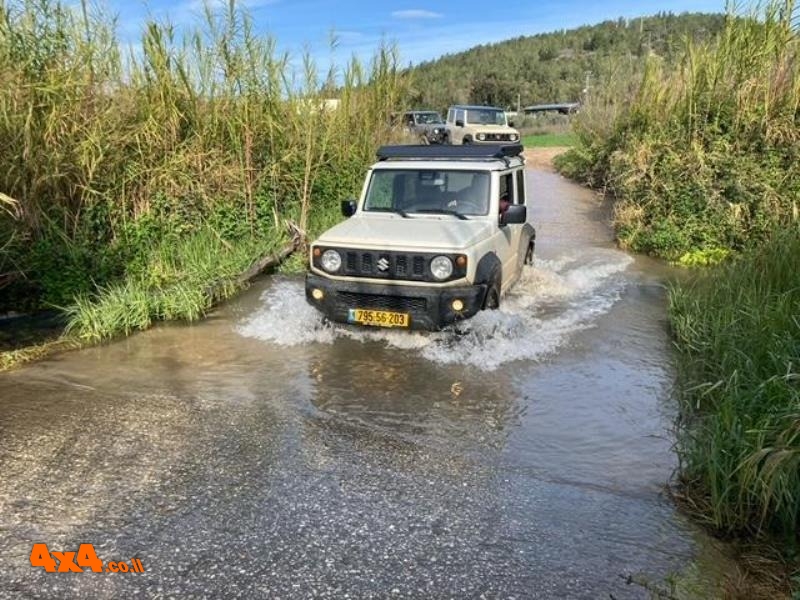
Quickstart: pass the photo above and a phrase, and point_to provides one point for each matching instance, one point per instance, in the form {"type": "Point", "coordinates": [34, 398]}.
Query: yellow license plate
{"type": "Point", "coordinates": [378, 318]}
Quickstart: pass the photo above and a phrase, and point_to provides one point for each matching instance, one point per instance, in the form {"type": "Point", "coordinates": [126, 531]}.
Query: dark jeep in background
{"type": "Point", "coordinates": [423, 126]}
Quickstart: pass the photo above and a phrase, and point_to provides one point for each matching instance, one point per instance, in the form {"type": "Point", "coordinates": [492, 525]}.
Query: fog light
{"type": "Point", "coordinates": [317, 294]}
{"type": "Point", "coordinates": [457, 305]}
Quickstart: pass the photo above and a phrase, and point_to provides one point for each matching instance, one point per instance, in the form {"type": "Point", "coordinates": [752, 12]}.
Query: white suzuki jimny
{"type": "Point", "coordinates": [439, 233]}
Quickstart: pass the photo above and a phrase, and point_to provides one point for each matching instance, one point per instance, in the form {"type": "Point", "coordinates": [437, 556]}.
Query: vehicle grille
{"type": "Point", "coordinates": [378, 302]}
{"type": "Point", "coordinates": [383, 264]}
{"type": "Point", "coordinates": [498, 137]}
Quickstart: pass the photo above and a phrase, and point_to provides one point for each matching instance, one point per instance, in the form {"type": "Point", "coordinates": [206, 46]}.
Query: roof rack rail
{"type": "Point", "coordinates": [446, 152]}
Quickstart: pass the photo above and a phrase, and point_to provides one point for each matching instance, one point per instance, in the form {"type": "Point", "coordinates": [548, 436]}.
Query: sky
{"type": "Point", "coordinates": [422, 29]}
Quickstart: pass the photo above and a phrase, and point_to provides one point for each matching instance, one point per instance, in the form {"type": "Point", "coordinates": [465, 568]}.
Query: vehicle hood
{"type": "Point", "coordinates": [428, 232]}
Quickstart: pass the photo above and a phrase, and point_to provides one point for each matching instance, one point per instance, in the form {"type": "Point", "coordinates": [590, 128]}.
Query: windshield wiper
{"type": "Point", "coordinates": [443, 211]}
{"type": "Point", "coordinates": [398, 211]}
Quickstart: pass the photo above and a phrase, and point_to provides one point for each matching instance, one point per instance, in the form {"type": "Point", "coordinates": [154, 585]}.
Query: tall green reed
{"type": "Point", "coordinates": [119, 144]}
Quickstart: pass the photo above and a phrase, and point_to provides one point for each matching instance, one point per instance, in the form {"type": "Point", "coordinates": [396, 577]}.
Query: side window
{"type": "Point", "coordinates": [507, 187]}
{"type": "Point", "coordinates": [460, 115]}
{"type": "Point", "coordinates": [521, 186]}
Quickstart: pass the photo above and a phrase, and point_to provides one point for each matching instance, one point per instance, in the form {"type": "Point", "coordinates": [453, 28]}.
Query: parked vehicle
{"type": "Point", "coordinates": [438, 234]}
{"type": "Point", "coordinates": [479, 125]}
{"type": "Point", "coordinates": [424, 126]}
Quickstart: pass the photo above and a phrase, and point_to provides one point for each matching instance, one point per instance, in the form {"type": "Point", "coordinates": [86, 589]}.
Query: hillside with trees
{"type": "Point", "coordinates": [554, 67]}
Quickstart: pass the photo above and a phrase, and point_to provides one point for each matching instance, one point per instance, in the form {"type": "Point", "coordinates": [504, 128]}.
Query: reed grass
{"type": "Point", "coordinates": [107, 149]}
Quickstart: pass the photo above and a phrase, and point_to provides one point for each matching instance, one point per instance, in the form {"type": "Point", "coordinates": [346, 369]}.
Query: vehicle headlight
{"type": "Point", "coordinates": [441, 267]}
{"type": "Point", "coordinates": [513, 137]}
{"type": "Point", "coordinates": [331, 261]}
{"type": "Point", "coordinates": [481, 136]}
{"type": "Point", "coordinates": [435, 130]}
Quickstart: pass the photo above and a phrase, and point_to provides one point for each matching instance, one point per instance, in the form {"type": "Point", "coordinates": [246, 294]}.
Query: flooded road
{"type": "Point", "coordinates": [264, 454]}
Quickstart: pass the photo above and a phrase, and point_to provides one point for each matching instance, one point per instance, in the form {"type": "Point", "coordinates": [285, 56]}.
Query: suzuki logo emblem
{"type": "Point", "coordinates": [383, 264]}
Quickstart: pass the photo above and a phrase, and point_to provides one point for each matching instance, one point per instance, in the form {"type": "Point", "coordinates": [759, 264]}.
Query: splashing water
{"type": "Point", "coordinates": [551, 301]}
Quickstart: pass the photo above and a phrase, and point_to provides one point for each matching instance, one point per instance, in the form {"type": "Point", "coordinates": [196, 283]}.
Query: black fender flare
{"type": "Point", "coordinates": [490, 273]}
{"type": "Point", "coordinates": [527, 239]}
{"type": "Point", "coordinates": [528, 232]}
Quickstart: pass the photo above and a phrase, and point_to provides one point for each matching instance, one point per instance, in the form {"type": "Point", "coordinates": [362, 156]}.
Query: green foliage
{"type": "Point", "coordinates": [105, 154]}
{"type": "Point", "coordinates": [548, 140]}
{"type": "Point", "coordinates": [704, 258]}
{"type": "Point", "coordinates": [552, 67]}
{"type": "Point", "coordinates": [738, 334]}
{"type": "Point", "coordinates": [701, 155]}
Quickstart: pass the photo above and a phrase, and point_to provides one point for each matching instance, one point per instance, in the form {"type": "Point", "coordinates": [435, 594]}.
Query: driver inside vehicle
{"type": "Point", "coordinates": [505, 202]}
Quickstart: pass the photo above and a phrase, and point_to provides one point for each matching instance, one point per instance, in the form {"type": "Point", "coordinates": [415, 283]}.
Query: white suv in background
{"type": "Point", "coordinates": [479, 125]}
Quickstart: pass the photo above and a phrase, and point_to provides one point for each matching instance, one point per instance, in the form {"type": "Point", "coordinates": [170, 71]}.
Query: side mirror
{"type": "Point", "coordinates": [516, 214]}
{"type": "Point", "coordinates": [349, 207]}
{"type": "Point", "coordinates": [459, 123]}
{"type": "Point", "coordinates": [511, 123]}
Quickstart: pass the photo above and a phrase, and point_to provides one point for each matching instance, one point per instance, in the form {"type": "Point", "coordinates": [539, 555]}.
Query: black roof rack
{"type": "Point", "coordinates": [447, 152]}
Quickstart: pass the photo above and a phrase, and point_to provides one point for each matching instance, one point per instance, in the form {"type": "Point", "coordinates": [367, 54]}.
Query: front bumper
{"type": "Point", "coordinates": [435, 138]}
{"type": "Point", "coordinates": [430, 307]}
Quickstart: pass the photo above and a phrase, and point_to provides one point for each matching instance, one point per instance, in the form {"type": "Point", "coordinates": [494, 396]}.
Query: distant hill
{"type": "Point", "coordinates": [551, 67]}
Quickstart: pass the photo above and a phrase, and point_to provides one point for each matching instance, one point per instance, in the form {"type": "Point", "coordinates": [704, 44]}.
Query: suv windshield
{"type": "Point", "coordinates": [486, 116]}
{"type": "Point", "coordinates": [430, 118]}
{"type": "Point", "coordinates": [426, 190]}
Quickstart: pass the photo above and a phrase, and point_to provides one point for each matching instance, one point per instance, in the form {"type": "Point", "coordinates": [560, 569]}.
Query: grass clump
{"type": "Point", "coordinates": [179, 280]}
{"type": "Point", "coordinates": [737, 331]}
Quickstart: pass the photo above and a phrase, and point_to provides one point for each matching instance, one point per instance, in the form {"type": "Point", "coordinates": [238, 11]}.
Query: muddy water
{"type": "Point", "coordinates": [264, 453]}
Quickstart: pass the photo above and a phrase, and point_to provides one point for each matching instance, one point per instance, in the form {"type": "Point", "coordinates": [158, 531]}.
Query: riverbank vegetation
{"type": "Point", "coordinates": [702, 157]}
{"type": "Point", "coordinates": [139, 179]}
{"type": "Point", "coordinates": [737, 330]}
{"type": "Point", "coordinates": [701, 160]}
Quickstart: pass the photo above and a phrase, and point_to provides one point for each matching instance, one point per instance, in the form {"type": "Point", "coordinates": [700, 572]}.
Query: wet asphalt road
{"type": "Point", "coordinates": [260, 454]}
